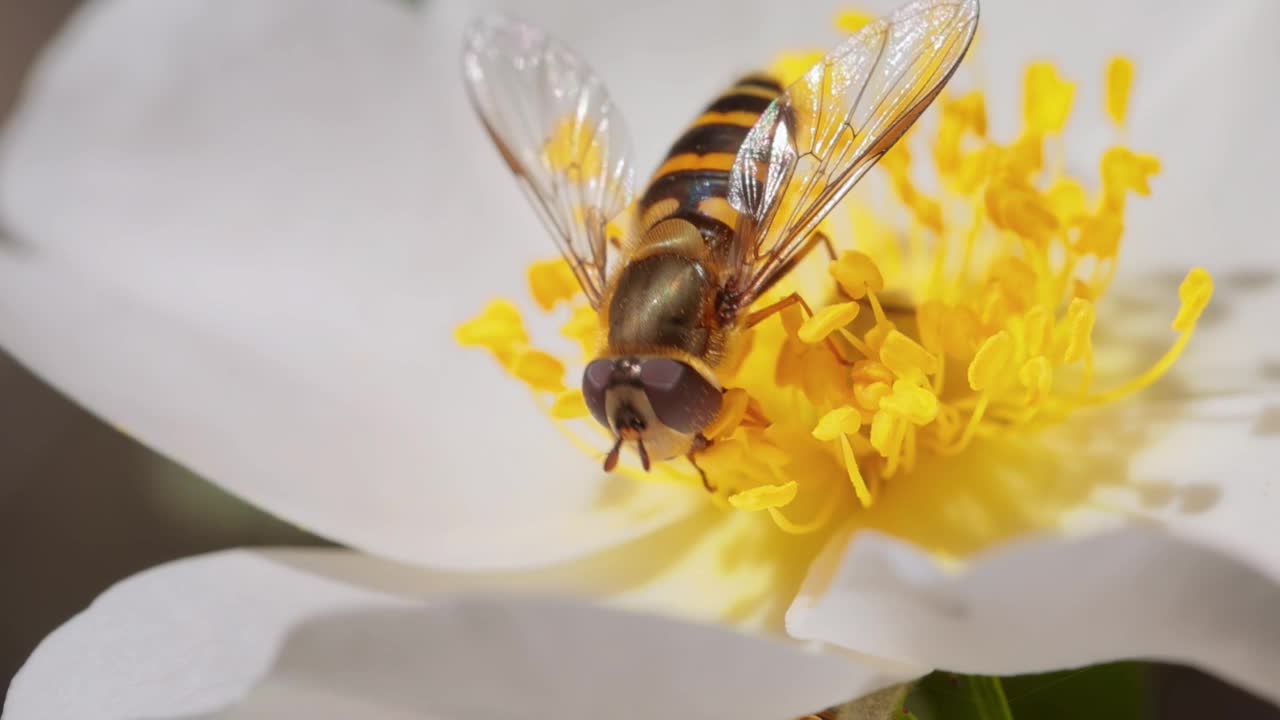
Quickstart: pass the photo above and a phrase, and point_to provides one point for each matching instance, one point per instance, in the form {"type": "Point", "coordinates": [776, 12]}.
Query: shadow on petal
{"type": "Point", "coordinates": [1047, 603]}
{"type": "Point", "coordinates": [710, 566]}
{"type": "Point", "coordinates": [480, 657]}
{"type": "Point", "coordinates": [1002, 488]}
{"type": "Point", "coordinates": [1231, 352]}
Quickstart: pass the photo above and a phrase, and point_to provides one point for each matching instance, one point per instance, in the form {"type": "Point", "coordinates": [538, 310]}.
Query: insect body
{"type": "Point", "coordinates": [729, 212]}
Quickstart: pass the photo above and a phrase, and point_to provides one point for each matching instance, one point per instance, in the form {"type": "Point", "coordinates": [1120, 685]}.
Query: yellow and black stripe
{"type": "Point", "coordinates": [693, 181]}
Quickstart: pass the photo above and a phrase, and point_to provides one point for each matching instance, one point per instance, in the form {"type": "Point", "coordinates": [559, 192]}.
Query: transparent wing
{"type": "Point", "coordinates": [817, 140]}
{"type": "Point", "coordinates": [555, 126]}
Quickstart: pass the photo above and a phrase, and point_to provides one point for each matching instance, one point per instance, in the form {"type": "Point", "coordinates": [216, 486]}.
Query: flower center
{"type": "Point", "coordinates": [966, 311]}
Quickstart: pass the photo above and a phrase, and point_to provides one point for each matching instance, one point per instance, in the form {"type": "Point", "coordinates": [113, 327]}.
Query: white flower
{"type": "Point", "coordinates": [244, 231]}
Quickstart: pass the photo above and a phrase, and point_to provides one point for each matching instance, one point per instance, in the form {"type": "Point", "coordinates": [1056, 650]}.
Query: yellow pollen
{"type": "Point", "coordinates": [987, 371]}
{"type": "Point", "coordinates": [1126, 171]}
{"type": "Point", "coordinates": [1100, 235]}
{"type": "Point", "coordinates": [733, 408]}
{"type": "Point", "coordinates": [540, 370]}
{"type": "Point", "coordinates": [854, 473]}
{"type": "Point", "coordinates": [583, 326]}
{"type": "Point", "coordinates": [857, 274]}
{"type": "Point", "coordinates": [1013, 205]}
{"type": "Point", "coordinates": [765, 497]}
{"type": "Point", "coordinates": [791, 66]}
{"type": "Point", "coordinates": [574, 148]}
{"type": "Point", "coordinates": [906, 357]}
{"type": "Point", "coordinates": [826, 321]}
{"type": "Point", "coordinates": [851, 21]}
{"type": "Point", "coordinates": [1047, 98]}
{"type": "Point", "coordinates": [1119, 82]}
{"type": "Point", "coordinates": [569, 405]}
{"type": "Point", "coordinates": [841, 421]}
{"type": "Point", "coordinates": [1080, 319]}
{"type": "Point", "coordinates": [1067, 198]}
{"type": "Point", "coordinates": [961, 306]}
{"type": "Point", "coordinates": [1194, 293]}
{"type": "Point", "coordinates": [1036, 375]}
{"type": "Point", "coordinates": [552, 281]}
{"type": "Point", "coordinates": [498, 328]}
{"type": "Point", "coordinates": [916, 405]}
{"type": "Point", "coordinates": [884, 431]}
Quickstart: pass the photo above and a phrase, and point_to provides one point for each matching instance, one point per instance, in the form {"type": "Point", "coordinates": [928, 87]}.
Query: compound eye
{"type": "Point", "coordinates": [595, 384]}
{"type": "Point", "coordinates": [681, 398]}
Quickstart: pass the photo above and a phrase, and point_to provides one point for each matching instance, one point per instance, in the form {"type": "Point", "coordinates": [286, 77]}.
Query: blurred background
{"type": "Point", "coordinates": [83, 506]}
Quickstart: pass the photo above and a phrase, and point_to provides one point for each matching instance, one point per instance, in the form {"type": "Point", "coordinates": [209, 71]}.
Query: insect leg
{"type": "Point", "coordinates": [700, 443]}
{"type": "Point", "coordinates": [815, 238]}
{"type": "Point", "coordinates": [757, 316]}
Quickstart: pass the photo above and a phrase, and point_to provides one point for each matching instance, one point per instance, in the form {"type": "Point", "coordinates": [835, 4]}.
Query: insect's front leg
{"type": "Point", "coordinates": [758, 316]}
{"type": "Point", "coordinates": [700, 443]}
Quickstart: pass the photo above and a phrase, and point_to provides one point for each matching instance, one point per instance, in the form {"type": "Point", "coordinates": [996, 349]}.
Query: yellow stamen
{"type": "Point", "coordinates": [583, 326]}
{"type": "Point", "coordinates": [733, 407]}
{"type": "Point", "coordinates": [991, 362]}
{"type": "Point", "coordinates": [983, 299]}
{"type": "Point", "coordinates": [857, 274]}
{"type": "Point", "coordinates": [498, 325]}
{"type": "Point", "coordinates": [916, 405]}
{"type": "Point", "coordinates": [1195, 292]}
{"type": "Point", "coordinates": [569, 405]}
{"type": "Point", "coordinates": [826, 321]}
{"type": "Point", "coordinates": [539, 370]}
{"type": "Point", "coordinates": [906, 357]}
{"type": "Point", "coordinates": [1126, 171]}
{"type": "Point", "coordinates": [764, 497]}
{"type": "Point", "coordinates": [1080, 319]}
{"type": "Point", "coordinates": [838, 422]}
{"type": "Point", "coordinates": [1119, 82]}
{"type": "Point", "coordinates": [860, 488]}
{"type": "Point", "coordinates": [574, 148]}
{"type": "Point", "coordinates": [552, 281]}
{"type": "Point", "coordinates": [1046, 98]}
{"type": "Point", "coordinates": [851, 21]}
{"type": "Point", "coordinates": [791, 66]}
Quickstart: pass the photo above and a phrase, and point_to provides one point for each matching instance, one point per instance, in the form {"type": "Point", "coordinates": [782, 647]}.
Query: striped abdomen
{"type": "Point", "coordinates": [693, 180]}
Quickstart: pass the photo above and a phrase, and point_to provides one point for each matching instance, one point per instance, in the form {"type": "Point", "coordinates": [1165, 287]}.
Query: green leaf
{"type": "Point", "coordinates": [948, 696]}
{"type": "Point", "coordinates": [1116, 691]}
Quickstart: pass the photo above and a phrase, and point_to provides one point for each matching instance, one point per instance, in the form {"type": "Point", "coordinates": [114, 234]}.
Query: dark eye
{"type": "Point", "coordinates": [681, 398]}
{"type": "Point", "coordinates": [595, 381]}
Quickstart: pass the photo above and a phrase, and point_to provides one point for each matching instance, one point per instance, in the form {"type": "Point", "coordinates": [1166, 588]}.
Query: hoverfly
{"type": "Point", "coordinates": [734, 206]}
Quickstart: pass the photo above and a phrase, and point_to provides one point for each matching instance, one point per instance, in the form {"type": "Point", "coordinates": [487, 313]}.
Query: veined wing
{"type": "Point", "coordinates": [557, 129]}
{"type": "Point", "coordinates": [822, 135]}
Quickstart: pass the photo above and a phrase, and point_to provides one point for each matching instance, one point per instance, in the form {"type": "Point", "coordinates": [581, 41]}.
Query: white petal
{"type": "Point", "coordinates": [1198, 106]}
{"type": "Point", "coordinates": [278, 634]}
{"type": "Point", "coordinates": [1051, 603]}
{"type": "Point", "coordinates": [262, 228]}
{"type": "Point", "coordinates": [1209, 120]}
{"type": "Point", "coordinates": [1206, 471]}
{"type": "Point", "coordinates": [1172, 507]}
{"type": "Point", "coordinates": [277, 206]}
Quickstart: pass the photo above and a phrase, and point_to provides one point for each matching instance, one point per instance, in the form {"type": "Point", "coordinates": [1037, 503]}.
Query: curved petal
{"type": "Point", "coordinates": [1206, 115]}
{"type": "Point", "coordinates": [263, 230]}
{"type": "Point", "coordinates": [254, 634]}
{"type": "Point", "coordinates": [1207, 474]}
{"type": "Point", "coordinates": [278, 206]}
{"type": "Point", "coordinates": [1168, 551]}
{"type": "Point", "coordinates": [1050, 603]}
{"type": "Point", "coordinates": [1198, 105]}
